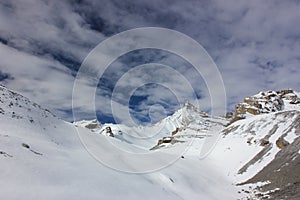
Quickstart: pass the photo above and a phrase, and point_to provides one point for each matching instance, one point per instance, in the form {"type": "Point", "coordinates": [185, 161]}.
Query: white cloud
{"type": "Point", "coordinates": [254, 44]}
{"type": "Point", "coordinates": [44, 81]}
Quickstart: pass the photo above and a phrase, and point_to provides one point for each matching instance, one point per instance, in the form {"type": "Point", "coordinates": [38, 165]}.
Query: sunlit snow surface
{"type": "Point", "coordinates": [63, 169]}
{"type": "Point", "coordinates": [42, 157]}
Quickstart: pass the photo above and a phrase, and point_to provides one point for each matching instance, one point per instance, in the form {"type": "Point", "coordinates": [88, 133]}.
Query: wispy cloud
{"type": "Point", "coordinates": [43, 42]}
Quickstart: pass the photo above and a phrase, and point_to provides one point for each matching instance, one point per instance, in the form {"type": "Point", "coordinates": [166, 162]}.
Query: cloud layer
{"type": "Point", "coordinates": [255, 45]}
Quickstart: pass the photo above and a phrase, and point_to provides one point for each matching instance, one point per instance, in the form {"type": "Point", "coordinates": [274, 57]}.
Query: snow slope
{"type": "Point", "coordinates": [260, 155]}
{"type": "Point", "coordinates": [43, 158]}
{"type": "Point", "coordinates": [249, 145]}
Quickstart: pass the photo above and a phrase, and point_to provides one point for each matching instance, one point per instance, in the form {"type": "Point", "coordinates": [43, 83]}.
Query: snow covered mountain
{"type": "Point", "coordinates": [42, 156]}
{"type": "Point", "coordinates": [263, 146]}
{"type": "Point", "coordinates": [187, 122]}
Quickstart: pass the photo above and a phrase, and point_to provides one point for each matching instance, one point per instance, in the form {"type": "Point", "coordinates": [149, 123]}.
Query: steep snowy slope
{"type": "Point", "coordinates": [43, 158]}
{"type": "Point", "coordinates": [258, 149]}
{"type": "Point", "coordinates": [254, 142]}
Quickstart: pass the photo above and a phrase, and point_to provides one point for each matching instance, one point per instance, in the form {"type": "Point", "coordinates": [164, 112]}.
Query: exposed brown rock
{"type": "Point", "coordinates": [284, 92]}
{"type": "Point", "coordinates": [160, 141]}
{"type": "Point", "coordinates": [239, 111]}
{"type": "Point", "coordinates": [295, 101]}
{"type": "Point", "coordinates": [166, 140]}
{"type": "Point", "coordinates": [281, 143]}
{"type": "Point", "coordinates": [253, 111]}
{"type": "Point", "coordinates": [264, 102]}
{"type": "Point", "coordinates": [175, 131]}
{"type": "Point", "coordinates": [252, 102]}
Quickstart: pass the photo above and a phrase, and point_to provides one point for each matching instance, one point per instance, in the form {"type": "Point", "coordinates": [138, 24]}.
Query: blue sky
{"type": "Point", "coordinates": [255, 45]}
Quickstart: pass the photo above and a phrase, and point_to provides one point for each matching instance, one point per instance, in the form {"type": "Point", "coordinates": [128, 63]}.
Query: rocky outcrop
{"type": "Point", "coordinates": [165, 140]}
{"type": "Point", "coordinates": [93, 124]}
{"type": "Point", "coordinates": [281, 143]}
{"type": "Point", "coordinates": [175, 131]}
{"type": "Point", "coordinates": [264, 142]}
{"type": "Point", "coordinates": [109, 131]}
{"type": "Point", "coordinates": [265, 102]}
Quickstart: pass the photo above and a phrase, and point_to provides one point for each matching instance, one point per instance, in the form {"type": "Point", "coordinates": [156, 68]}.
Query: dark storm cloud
{"type": "Point", "coordinates": [255, 43]}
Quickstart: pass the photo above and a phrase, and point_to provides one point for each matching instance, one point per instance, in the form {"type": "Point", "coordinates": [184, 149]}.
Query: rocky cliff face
{"type": "Point", "coordinates": [267, 102]}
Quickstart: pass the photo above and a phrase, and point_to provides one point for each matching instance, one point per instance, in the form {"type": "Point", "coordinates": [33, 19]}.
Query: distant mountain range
{"type": "Point", "coordinates": [254, 154]}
